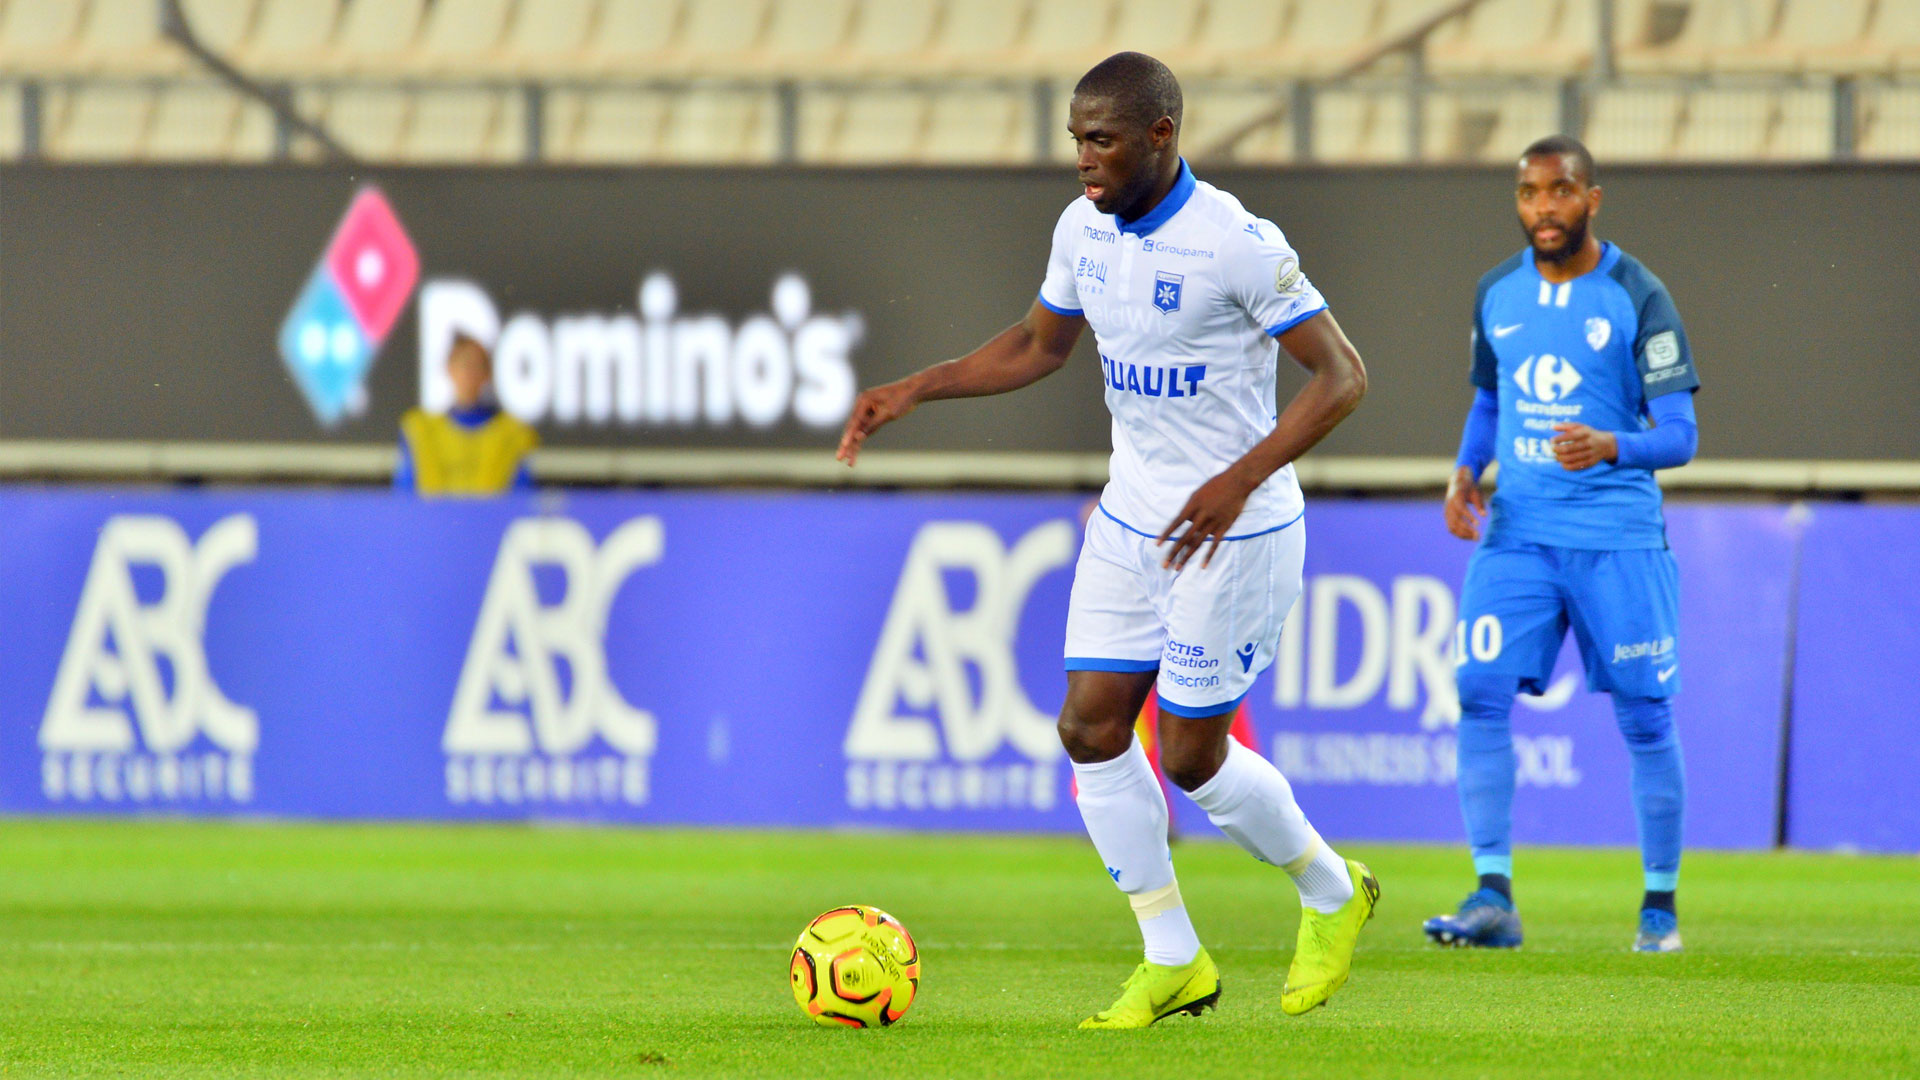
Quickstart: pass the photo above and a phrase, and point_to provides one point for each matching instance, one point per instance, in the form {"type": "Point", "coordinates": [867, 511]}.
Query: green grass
{"type": "Point", "coordinates": [203, 950]}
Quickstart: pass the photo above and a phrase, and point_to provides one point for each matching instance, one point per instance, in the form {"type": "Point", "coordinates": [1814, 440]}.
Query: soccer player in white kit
{"type": "Point", "coordinates": [1194, 557]}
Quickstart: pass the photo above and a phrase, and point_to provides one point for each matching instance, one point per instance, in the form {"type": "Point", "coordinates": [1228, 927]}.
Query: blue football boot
{"type": "Point", "coordinates": [1486, 920]}
{"type": "Point", "coordinates": [1659, 931]}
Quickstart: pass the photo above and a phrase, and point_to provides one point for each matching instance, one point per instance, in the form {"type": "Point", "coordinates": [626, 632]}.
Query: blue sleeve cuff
{"type": "Point", "coordinates": [1282, 327]}
{"type": "Point", "coordinates": [1477, 441]}
{"type": "Point", "coordinates": [1058, 310]}
{"type": "Point", "coordinates": [1672, 441]}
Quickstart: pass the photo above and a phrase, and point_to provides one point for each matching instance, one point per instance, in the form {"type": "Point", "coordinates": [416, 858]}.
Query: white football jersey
{"type": "Point", "coordinates": [1185, 304]}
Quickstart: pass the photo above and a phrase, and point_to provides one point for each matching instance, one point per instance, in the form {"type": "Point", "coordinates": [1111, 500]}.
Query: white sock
{"type": "Point", "coordinates": [1126, 815]}
{"type": "Point", "coordinates": [1252, 803]}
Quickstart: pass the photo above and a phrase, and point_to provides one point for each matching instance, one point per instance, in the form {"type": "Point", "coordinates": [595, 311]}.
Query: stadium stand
{"type": "Point", "coordinates": [953, 81]}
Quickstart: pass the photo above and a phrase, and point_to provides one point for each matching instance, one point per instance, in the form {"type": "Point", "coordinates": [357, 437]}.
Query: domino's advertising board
{"type": "Point", "coordinates": [768, 659]}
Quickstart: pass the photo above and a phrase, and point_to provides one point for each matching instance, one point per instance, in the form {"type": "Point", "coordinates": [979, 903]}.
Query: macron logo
{"type": "Point", "coordinates": [365, 276]}
{"type": "Point", "coordinates": [1246, 655]}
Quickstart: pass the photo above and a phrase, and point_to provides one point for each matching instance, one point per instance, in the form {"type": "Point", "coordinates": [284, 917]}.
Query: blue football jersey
{"type": "Point", "coordinates": [1593, 351]}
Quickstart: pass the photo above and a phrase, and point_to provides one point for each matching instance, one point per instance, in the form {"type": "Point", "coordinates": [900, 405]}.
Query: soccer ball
{"type": "Point", "coordinates": [855, 966]}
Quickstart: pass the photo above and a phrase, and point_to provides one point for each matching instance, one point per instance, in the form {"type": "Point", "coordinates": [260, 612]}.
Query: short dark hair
{"type": "Point", "coordinates": [1564, 144]}
{"type": "Point", "coordinates": [1142, 89]}
{"type": "Point", "coordinates": [463, 339]}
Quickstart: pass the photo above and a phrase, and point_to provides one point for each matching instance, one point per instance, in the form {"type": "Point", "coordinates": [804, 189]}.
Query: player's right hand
{"type": "Point", "coordinates": [1466, 505]}
{"type": "Point", "coordinates": [872, 410]}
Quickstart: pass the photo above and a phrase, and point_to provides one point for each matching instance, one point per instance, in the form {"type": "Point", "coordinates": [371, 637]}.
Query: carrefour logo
{"type": "Point", "coordinates": [335, 329]}
{"type": "Point", "coordinates": [942, 697]}
{"type": "Point", "coordinates": [1547, 377]}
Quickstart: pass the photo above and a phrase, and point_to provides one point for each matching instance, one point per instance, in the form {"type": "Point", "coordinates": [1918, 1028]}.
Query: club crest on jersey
{"type": "Point", "coordinates": [1599, 332]}
{"type": "Point", "coordinates": [1166, 291]}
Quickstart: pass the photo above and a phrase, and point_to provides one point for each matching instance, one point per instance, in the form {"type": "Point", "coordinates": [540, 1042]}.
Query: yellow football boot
{"type": "Point", "coordinates": [1154, 992]}
{"type": "Point", "coordinates": [1323, 955]}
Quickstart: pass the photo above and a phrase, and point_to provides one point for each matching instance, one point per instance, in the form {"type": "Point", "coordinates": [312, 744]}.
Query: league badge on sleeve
{"type": "Point", "coordinates": [1663, 350]}
{"type": "Point", "coordinates": [1599, 332]}
{"type": "Point", "coordinates": [1166, 291]}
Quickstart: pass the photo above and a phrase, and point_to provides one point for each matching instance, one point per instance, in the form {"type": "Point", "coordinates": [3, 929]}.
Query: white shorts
{"type": "Point", "coordinates": [1209, 632]}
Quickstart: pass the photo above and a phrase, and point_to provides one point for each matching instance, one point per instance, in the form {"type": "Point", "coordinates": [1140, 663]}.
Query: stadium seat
{"type": "Point", "coordinates": [368, 121]}
{"type": "Point", "coordinates": [454, 125]}
{"type": "Point", "coordinates": [1895, 35]}
{"type": "Point", "coordinates": [221, 25]}
{"type": "Point", "coordinates": [631, 36]}
{"type": "Point", "coordinates": [718, 36]}
{"type": "Point", "coordinates": [1322, 38]}
{"type": "Point", "coordinates": [12, 132]}
{"type": "Point", "coordinates": [123, 37]}
{"type": "Point", "coordinates": [604, 126]}
{"type": "Point", "coordinates": [817, 124]}
{"type": "Point", "coordinates": [978, 127]}
{"type": "Point", "coordinates": [38, 36]}
{"type": "Point", "coordinates": [719, 126]}
{"type": "Point", "coordinates": [1360, 126]}
{"type": "Point", "coordinates": [254, 134]}
{"type": "Point", "coordinates": [1159, 27]}
{"type": "Point", "coordinates": [1890, 122]}
{"type": "Point", "coordinates": [1231, 34]}
{"type": "Point", "coordinates": [193, 122]}
{"type": "Point", "coordinates": [460, 37]}
{"type": "Point", "coordinates": [804, 37]}
{"type": "Point", "coordinates": [890, 37]}
{"type": "Point", "coordinates": [978, 35]}
{"type": "Point", "coordinates": [1725, 125]}
{"type": "Point", "coordinates": [1399, 18]}
{"type": "Point", "coordinates": [1525, 115]}
{"type": "Point", "coordinates": [545, 39]}
{"type": "Point", "coordinates": [879, 126]}
{"type": "Point", "coordinates": [1213, 115]}
{"type": "Point", "coordinates": [289, 36]}
{"type": "Point", "coordinates": [1812, 35]}
{"type": "Point", "coordinates": [1508, 37]}
{"type": "Point", "coordinates": [1804, 130]}
{"type": "Point", "coordinates": [376, 37]}
{"type": "Point", "coordinates": [1633, 124]}
{"type": "Point", "coordinates": [102, 122]}
{"type": "Point", "coordinates": [1066, 37]}
{"type": "Point", "coordinates": [1710, 28]}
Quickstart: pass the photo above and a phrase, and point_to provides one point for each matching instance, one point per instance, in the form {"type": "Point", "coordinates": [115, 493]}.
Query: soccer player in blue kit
{"type": "Point", "coordinates": [1195, 554]}
{"type": "Point", "coordinates": [1584, 387]}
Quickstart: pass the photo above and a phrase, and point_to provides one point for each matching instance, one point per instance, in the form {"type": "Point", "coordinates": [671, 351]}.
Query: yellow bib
{"type": "Point", "coordinates": [451, 460]}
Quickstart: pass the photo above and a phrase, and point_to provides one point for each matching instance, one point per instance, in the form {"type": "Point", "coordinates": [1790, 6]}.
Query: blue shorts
{"type": "Point", "coordinates": [1623, 606]}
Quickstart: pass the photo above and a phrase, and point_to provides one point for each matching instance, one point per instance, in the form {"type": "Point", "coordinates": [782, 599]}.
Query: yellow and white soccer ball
{"type": "Point", "coordinates": [855, 966]}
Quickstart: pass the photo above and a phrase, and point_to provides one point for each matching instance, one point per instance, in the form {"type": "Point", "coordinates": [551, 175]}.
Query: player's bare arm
{"type": "Point", "coordinates": [1022, 354]}
{"type": "Point", "coordinates": [1337, 382]}
{"type": "Point", "coordinates": [1466, 504]}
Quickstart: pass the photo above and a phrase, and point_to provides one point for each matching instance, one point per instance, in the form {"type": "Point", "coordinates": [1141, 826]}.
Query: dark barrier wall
{"type": "Point", "coordinates": [822, 659]}
{"type": "Point", "coordinates": [150, 302]}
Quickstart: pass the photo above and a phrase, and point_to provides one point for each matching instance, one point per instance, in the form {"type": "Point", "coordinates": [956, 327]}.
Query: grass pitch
{"type": "Point", "coordinates": [213, 950]}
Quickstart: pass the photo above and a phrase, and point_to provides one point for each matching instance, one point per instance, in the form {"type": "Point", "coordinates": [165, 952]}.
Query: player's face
{"type": "Point", "coordinates": [1119, 160]}
{"type": "Point", "coordinates": [469, 369]}
{"type": "Point", "coordinates": [1556, 207]}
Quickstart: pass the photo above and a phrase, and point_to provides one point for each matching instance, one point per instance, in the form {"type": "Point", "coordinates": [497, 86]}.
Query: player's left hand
{"type": "Point", "coordinates": [1578, 446]}
{"type": "Point", "coordinates": [1209, 513]}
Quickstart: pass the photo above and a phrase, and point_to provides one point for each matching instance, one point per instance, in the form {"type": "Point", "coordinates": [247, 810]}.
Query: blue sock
{"type": "Point", "coordinates": [1659, 785]}
{"type": "Point", "coordinates": [1486, 770]}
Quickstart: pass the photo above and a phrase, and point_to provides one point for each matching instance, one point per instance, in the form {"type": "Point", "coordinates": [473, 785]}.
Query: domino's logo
{"type": "Point", "coordinates": [365, 276]}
